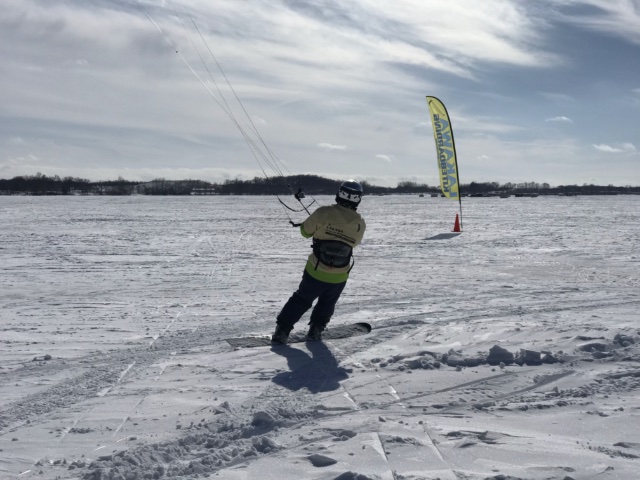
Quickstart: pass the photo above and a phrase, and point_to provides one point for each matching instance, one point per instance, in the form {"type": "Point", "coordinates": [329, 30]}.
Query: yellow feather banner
{"type": "Point", "coordinates": [445, 147]}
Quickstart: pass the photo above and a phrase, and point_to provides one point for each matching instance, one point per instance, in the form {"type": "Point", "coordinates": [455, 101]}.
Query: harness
{"type": "Point", "coordinates": [332, 253]}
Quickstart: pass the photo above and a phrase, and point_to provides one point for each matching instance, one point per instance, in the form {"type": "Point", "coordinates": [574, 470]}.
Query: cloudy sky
{"type": "Point", "coordinates": [545, 91]}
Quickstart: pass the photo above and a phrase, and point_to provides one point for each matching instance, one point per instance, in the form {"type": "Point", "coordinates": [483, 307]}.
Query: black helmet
{"type": "Point", "coordinates": [349, 194]}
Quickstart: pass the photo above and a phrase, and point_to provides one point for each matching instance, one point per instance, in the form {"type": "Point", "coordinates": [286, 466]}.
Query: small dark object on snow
{"type": "Point", "coordinates": [498, 355]}
{"type": "Point", "coordinates": [528, 357]}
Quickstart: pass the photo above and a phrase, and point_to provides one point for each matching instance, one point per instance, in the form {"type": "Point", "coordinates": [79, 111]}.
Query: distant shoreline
{"type": "Point", "coordinates": [310, 184]}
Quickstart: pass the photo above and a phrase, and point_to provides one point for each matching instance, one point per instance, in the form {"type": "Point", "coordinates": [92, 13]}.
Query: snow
{"type": "Point", "coordinates": [113, 363]}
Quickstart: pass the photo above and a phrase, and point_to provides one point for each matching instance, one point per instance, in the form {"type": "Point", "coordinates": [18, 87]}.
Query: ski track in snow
{"type": "Point", "coordinates": [132, 300]}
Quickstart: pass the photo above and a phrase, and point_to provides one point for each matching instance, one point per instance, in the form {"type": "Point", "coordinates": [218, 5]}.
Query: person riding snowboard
{"type": "Point", "coordinates": [336, 230]}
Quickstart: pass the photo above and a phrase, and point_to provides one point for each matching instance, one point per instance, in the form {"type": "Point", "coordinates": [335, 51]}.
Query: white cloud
{"type": "Point", "coordinates": [386, 158]}
{"type": "Point", "coordinates": [606, 148]}
{"type": "Point", "coordinates": [469, 32]}
{"type": "Point", "coordinates": [622, 148]}
{"type": "Point", "coordinates": [617, 17]}
{"type": "Point", "coordinates": [331, 147]}
{"type": "Point", "coordinates": [559, 119]}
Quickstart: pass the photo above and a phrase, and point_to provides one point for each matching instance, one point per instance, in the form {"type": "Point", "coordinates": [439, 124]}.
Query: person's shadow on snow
{"type": "Point", "coordinates": [319, 372]}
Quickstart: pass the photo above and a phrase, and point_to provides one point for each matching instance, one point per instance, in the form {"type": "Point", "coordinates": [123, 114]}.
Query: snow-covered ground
{"type": "Point", "coordinates": [113, 363]}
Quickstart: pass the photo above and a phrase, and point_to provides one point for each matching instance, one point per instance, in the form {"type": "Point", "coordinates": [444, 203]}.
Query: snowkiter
{"type": "Point", "coordinates": [336, 230]}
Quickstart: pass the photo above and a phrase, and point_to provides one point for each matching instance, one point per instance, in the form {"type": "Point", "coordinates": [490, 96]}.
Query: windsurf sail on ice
{"type": "Point", "coordinates": [446, 151]}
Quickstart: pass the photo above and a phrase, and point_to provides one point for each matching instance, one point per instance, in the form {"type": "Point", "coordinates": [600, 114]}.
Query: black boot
{"type": "Point", "coordinates": [315, 332]}
{"type": "Point", "coordinates": [280, 335]}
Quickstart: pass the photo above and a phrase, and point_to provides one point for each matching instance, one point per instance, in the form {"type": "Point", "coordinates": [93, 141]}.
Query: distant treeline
{"type": "Point", "coordinates": [40, 184]}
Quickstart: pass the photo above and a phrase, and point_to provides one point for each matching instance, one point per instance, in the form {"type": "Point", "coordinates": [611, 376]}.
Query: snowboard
{"type": "Point", "coordinates": [331, 333]}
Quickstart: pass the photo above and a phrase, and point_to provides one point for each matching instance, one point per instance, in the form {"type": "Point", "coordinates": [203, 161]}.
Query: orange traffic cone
{"type": "Point", "coordinates": [456, 226]}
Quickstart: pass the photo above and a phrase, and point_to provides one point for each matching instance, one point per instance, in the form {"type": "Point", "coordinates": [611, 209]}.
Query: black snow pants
{"type": "Point", "coordinates": [301, 301]}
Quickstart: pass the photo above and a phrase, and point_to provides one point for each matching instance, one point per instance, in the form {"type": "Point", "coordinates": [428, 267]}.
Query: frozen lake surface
{"type": "Point", "coordinates": [113, 362]}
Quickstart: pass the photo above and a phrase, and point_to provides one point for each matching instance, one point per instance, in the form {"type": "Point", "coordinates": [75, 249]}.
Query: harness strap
{"type": "Point", "coordinates": [353, 264]}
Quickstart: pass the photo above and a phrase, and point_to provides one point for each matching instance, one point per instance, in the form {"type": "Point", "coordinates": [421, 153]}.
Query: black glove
{"type": "Point", "coordinates": [299, 194]}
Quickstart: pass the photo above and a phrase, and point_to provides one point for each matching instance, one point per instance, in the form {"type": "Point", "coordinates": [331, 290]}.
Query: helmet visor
{"type": "Point", "coordinates": [352, 196]}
